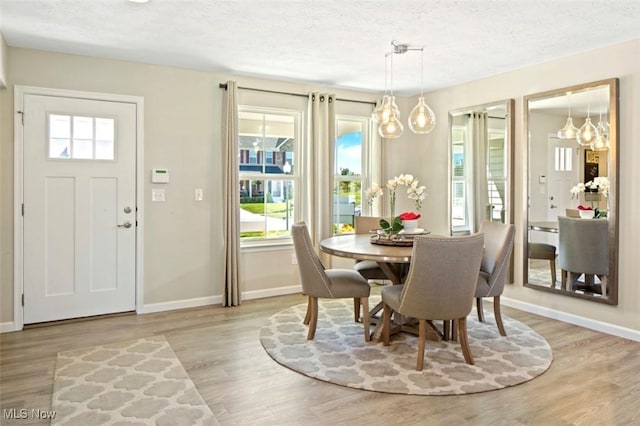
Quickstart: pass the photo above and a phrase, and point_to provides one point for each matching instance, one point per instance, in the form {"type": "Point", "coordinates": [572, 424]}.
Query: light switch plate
{"type": "Point", "coordinates": [199, 194]}
{"type": "Point", "coordinates": [157, 195]}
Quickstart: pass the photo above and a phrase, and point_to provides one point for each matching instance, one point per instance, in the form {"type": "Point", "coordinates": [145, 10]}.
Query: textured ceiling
{"type": "Point", "coordinates": [339, 43]}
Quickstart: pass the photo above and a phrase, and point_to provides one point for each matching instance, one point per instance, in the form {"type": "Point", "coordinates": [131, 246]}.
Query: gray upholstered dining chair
{"type": "Point", "coordinates": [583, 248]}
{"type": "Point", "coordinates": [318, 282]}
{"type": "Point", "coordinates": [498, 246]}
{"type": "Point", "coordinates": [368, 268]}
{"type": "Point", "coordinates": [546, 252]}
{"type": "Point", "coordinates": [440, 286]}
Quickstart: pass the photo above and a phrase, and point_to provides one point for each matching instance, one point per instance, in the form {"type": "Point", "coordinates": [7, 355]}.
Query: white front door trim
{"type": "Point", "coordinates": [18, 177]}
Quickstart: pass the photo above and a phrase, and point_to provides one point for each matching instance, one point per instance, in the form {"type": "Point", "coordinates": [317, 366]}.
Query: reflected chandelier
{"type": "Point", "coordinates": [421, 120]}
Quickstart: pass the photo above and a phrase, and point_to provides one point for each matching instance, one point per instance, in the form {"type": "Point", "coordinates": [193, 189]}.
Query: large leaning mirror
{"type": "Point", "coordinates": [572, 236]}
{"type": "Point", "coordinates": [480, 166]}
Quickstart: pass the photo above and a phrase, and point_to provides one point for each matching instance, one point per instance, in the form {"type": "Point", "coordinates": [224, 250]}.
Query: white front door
{"type": "Point", "coordinates": [564, 164]}
{"type": "Point", "coordinates": [79, 191]}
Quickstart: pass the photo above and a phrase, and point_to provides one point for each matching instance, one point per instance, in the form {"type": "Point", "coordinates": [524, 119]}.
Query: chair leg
{"type": "Point", "coordinates": [313, 305]}
{"type": "Point", "coordinates": [604, 281]}
{"type": "Point", "coordinates": [479, 309]}
{"type": "Point", "coordinates": [356, 309]}
{"type": "Point", "coordinates": [498, 315]}
{"type": "Point", "coordinates": [386, 324]}
{"type": "Point", "coordinates": [422, 336]}
{"type": "Point", "coordinates": [307, 316]}
{"type": "Point", "coordinates": [552, 264]}
{"type": "Point", "coordinates": [365, 318]}
{"type": "Point", "coordinates": [464, 341]}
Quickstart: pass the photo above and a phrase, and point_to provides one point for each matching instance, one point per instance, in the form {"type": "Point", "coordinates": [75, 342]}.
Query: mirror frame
{"type": "Point", "coordinates": [510, 135]}
{"type": "Point", "coordinates": [612, 171]}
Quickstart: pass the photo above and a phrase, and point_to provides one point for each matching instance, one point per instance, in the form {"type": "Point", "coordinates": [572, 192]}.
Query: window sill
{"type": "Point", "coordinates": [257, 246]}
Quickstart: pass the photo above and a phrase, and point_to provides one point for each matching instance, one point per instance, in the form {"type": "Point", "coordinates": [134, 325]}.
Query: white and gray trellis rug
{"type": "Point", "coordinates": [139, 382]}
{"type": "Point", "coordinates": [339, 354]}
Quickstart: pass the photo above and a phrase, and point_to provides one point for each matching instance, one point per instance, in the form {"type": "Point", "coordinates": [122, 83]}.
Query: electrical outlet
{"type": "Point", "coordinates": [294, 259]}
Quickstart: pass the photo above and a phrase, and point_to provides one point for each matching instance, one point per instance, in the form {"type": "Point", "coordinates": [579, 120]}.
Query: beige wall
{"type": "Point", "coordinates": [3, 62]}
{"type": "Point", "coordinates": [429, 163]}
{"type": "Point", "coordinates": [182, 111]}
{"type": "Point", "coordinates": [182, 115]}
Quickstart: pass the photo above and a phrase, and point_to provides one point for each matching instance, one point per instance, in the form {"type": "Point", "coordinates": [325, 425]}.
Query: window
{"type": "Point", "coordinates": [267, 145]}
{"type": "Point", "coordinates": [460, 180]}
{"type": "Point", "coordinates": [81, 138]}
{"type": "Point", "coordinates": [350, 173]}
{"type": "Point", "coordinates": [497, 169]}
{"type": "Point", "coordinates": [563, 159]}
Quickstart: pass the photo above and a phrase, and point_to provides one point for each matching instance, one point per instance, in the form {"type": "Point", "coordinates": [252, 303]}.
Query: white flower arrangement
{"type": "Point", "coordinates": [598, 185]}
{"type": "Point", "coordinates": [415, 191]}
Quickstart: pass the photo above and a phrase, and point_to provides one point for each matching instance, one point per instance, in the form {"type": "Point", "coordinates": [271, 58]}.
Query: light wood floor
{"type": "Point", "coordinates": [593, 380]}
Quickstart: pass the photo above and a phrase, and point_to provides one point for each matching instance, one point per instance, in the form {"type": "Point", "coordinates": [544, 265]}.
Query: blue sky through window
{"type": "Point", "coordinates": [349, 152]}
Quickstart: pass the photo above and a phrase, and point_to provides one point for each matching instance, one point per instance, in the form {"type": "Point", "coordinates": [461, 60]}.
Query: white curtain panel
{"type": "Point", "coordinates": [479, 135]}
{"type": "Point", "coordinates": [322, 133]}
{"type": "Point", "coordinates": [231, 194]}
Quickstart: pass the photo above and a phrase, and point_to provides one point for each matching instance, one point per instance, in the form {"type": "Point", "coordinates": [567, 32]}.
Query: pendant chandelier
{"type": "Point", "coordinates": [569, 131]}
{"type": "Point", "coordinates": [421, 120]}
{"type": "Point", "coordinates": [601, 141]}
{"type": "Point", "coordinates": [588, 133]}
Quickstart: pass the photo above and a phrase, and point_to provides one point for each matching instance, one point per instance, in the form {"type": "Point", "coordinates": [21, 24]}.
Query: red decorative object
{"type": "Point", "coordinates": [409, 216]}
{"type": "Point", "coordinates": [582, 207]}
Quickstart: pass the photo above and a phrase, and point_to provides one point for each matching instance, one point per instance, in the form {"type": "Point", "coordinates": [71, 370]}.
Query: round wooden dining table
{"type": "Point", "coordinates": [392, 259]}
{"type": "Point", "coordinates": [359, 247]}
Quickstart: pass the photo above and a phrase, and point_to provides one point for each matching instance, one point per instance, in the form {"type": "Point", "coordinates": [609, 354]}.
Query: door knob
{"type": "Point", "coordinates": [553, 206]}
{"type": "Point", "coordinates": [127, 224]}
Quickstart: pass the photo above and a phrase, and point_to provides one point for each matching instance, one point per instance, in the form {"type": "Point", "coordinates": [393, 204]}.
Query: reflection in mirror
{"type": "Point", "coordinates": [480, 153]}
{"type": "Point", "coordinates": [572, 195]}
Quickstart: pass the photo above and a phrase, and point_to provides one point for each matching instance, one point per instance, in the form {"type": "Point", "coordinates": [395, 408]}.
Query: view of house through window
{"type": "Point", "coordinates": [268, 175]}
{"type": "Point", "coordinates": [350, 173]}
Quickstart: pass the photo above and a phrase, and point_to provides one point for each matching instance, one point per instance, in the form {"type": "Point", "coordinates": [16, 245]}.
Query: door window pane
{"type": "Point", "coordinates": [81, 137]}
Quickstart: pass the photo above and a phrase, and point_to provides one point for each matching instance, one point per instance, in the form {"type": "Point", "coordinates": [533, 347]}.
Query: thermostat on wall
{"type": "Point", "coordinates": [160, 176]}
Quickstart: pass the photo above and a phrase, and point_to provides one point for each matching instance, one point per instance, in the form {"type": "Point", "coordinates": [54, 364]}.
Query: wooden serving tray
{"type": "Point", "coordinates": [401, 241]}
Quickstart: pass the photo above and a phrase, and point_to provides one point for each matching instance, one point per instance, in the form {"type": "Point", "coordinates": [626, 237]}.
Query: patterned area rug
{"type": "Point", "coordinates": [340, 355]}
{"type": "Point", "coordinates": [138, 382]}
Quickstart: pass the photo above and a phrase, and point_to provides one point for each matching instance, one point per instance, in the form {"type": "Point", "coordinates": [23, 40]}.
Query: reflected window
{"type": "Point", "coordinates": [497, 174]}
{"type": "Point", "coordinates": [460, 180]}
{"type": "Point", "coordinates": [349, 171]}
{"type": "Point", "coordinates": [563, 156]}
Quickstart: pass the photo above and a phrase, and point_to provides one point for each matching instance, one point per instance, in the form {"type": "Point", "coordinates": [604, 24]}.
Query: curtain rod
{"type": "Point", "coordinates": [224, 86]}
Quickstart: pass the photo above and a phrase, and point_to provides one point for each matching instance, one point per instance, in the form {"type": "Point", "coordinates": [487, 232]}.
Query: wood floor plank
{"type": "Point", "coordinates": [594, 378]}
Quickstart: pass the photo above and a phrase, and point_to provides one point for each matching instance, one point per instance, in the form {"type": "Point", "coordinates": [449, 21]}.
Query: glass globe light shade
{"type": "Point", "coordinates": [392, 108]}
{"type": "Point", "coordinates": [569, 131]}
{"type": "Point", "coordinates": [391, 129]}
{"type": "Point", "coordinates": [601, 142]}
{"type": "Point", "coordinates": [587, 133]}
{"type": "Point", "coordinates": [378, 114]}
{"type": "Point", "coordinates": [422, 120]}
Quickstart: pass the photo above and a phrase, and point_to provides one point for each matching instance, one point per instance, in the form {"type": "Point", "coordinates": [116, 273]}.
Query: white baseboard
{"type": "Point", "coordinates": [180, 304]}
{"type": "Point", "coordinates": [279, 291]}
{"type": "Point", "coordinates": [8, 326]}
{"type": "Point", "coordinates": [217, 300]}
{"type": "Point", "coordinates": [589, 323]}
